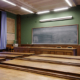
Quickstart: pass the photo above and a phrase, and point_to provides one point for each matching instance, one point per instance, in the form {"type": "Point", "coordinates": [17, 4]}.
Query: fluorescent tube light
{"type": "Point", "coordinates": [9, 2]}
{"type": "Point", "coordinates": [68, 2]}
{"type": "Point", "coordinates": [56, 19]}
{"type": "Point", "coordinates": [26, 10]}
{"type": "Point", "coordinates": [43, 12]}
{"type": "Point", "coordinates": [61, 9]}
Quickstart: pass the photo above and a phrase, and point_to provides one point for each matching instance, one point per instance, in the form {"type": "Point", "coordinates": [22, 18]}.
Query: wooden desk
{"type": "Point", "coordinates": [59, 56]}
{"type": "Point", "coordinates": [10, 74]}
{"type": "Point", "coordinates": [64, 61]}
{"type": "Point", "coordinates": [8, 56]}
{"type": "Point", "coordinates": [40, 50]}
{"type": "Point", "coordinates": [49, 68]}
{"type": "Point", "coordinates": [2, 59]}
{"type": "Point", "coordinates": [17, 53]}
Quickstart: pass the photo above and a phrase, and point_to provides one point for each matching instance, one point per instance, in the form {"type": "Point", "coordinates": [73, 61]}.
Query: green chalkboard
{"type": "Point", "coordinates": [55, 35]}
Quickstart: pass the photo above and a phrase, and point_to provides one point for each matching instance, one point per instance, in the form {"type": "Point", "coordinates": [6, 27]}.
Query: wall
{"type": "Point", "coordinates": [32, 21]}
{"type": "Point", "coordinates": [13, 16]}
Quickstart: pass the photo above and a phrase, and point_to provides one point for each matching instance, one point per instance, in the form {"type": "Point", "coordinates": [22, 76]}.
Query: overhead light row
{"type": "Point", "coordinates": [68, 2]}
{"type": "Point", "coordinates": [16, 5]}
{"type": "Point", "coordinates": [9, 2]}
{"type": "Point", "coordinates": [55, 10]}
{"type": "Point", "coordinates": [59, 9]}
{"type": "Point", "coordinates": [42, 12]}
{"type": "Point", "coordinates": [26, 10]}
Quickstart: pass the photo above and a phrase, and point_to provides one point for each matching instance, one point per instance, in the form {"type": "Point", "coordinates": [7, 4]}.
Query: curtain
{"type": "Point", "coordinates": [3, 30]}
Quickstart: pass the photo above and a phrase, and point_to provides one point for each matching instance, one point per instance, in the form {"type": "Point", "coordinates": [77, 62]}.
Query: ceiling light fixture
{"type": "Point", "coordinates": [9, 2]}
{"type": "Point", "coordinates": [42, 12]}
{"type": "Point", "coordinates": [26, 10]}
{"type": "Point", "coordinates": [68, 3]}
{"type": "Point", "coordinates": [56, 19]}
{"type": "Point", "coordinates": [60, 9]}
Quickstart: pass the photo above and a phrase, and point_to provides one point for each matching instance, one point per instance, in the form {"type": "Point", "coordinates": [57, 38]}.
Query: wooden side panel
{"type": "Point", "coordinates": [39, 50]}
{"type": "Point", "coordinates": [19, 29]}
{"type": "Point", "coordinates": [78, 50]}
{"type": "Point", "coordinates": [53, 46]}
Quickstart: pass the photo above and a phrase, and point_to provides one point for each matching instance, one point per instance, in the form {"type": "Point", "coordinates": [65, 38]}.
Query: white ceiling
{"type": "Point", "coordinates": [35, 5]}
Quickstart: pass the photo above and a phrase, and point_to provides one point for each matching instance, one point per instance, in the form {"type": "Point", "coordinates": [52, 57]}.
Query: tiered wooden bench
{"type": "Point", "coordinates": [59, 56]}
{"type": "Point", "coordinates": [17, 53]}
{"type": "Point", "coordinates": [73, 62]}
{"type": "Point", "coordinates": [7, 56]}
{"type": "Point", "coordinates": [59, 70]}
{"type": "Point", "coordinates": [12, 55]}
{"type": "Point", "coordinates": [2, 59]}
{"type": "Point", "coordinates": [10, 74]}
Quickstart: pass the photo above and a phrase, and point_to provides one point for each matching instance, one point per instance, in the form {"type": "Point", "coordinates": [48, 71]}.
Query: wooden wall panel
{"type": "Point", "coordinates": [47, 45]}
{"type": "Point", "coordinates": [46, 50]}
{"type": "Point", "coordinates": [78, 50]}
{"type": "Point", "coordinates": [19, 29]}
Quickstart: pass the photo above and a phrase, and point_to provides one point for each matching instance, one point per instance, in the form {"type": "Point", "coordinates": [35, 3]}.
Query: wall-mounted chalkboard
{"type": "Point", "coordinates": [55, 35]}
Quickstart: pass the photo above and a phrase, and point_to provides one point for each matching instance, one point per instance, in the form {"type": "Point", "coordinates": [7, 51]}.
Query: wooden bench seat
{"type": "Point", "coordinates": [53, 60]}
{"type": "Point", "coordinates": [7, 56]}
{"type": "Point", "coordinates": [10, 74]}
{"type": "Point", "coordinates": [66, 69]}
{"type": "Point", "coordinates": [17, 53]}
{"type": "Point", "coordinates": [59, 56]}
{"type": "Point", "coordinates": [2, 59]}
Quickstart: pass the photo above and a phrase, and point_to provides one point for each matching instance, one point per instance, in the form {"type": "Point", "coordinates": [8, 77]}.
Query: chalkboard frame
{"type": "Point", "coordinates": [59, 26]}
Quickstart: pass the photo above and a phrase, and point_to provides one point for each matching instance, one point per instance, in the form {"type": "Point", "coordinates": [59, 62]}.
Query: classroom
{"type": "Point", "coordinates": [39, 39]}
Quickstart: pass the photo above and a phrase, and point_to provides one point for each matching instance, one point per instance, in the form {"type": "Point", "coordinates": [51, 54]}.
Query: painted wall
{"type": "Point", "coordinates": [32, 21]}
{"type": "Point", "coordinates": [13, 16]}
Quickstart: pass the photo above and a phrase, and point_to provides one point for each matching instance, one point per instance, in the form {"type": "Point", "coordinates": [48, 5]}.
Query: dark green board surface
{"type": "Point", "coordinates": [55, 35]}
